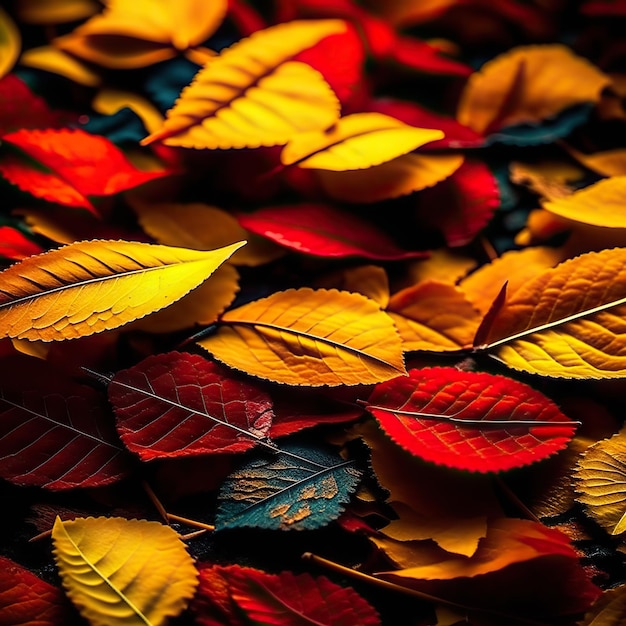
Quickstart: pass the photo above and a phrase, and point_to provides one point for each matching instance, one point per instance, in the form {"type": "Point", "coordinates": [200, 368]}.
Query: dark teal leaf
{"type": "Point", "coordinates": [300, 488]}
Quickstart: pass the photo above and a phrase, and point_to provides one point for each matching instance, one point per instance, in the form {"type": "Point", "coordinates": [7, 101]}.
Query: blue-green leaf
{"type": "Point", "coordinates": [300, 488]}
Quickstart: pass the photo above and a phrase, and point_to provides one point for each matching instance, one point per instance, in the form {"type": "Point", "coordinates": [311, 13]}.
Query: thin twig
{"type": "Point", "coordinates": [514, 498]}
{"type": "Point", "coordinates": [44, 535]}
{"type": "Point", "coordinates": [157, 503]}
{"type": "Point", "coordinates": [190, 522]}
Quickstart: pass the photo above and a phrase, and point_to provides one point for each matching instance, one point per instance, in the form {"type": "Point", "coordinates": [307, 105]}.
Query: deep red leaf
{"type": "Point", "coordinates": [26, 600]}
{"type": "Point", "coordinates": [420, 56]}
{"type": "Point", "coordinates": [284, 599]}
{"type": "Point", "coordinates": [246, 18]}
{"type": "Point", "coordinates": [491, 441]}
{"type": "Point", "coordinates": [322, 230]}
{"type": "Point", "coordinates": [175, 404]}
{"type": "Point", "coordinates": [70, 166]}
{"type": "Point", "coordinates": [55, 433]}
{"type": "Point", "coordinates": [15, 245]}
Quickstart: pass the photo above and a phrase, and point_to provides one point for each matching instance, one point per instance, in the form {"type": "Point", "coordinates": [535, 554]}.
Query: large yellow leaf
{"type": "Point", "coordinates": [10, 43]}
{"type": "Point", "coordinates": [253, 94]}
{"type": "Point", "coordinates": [123, 572]}
{"type": "Point", "coordinates": [310, 337]}
{"type": "Point", "coordinates": [568, 321]}
{"type": "Point", "coordinates": [356, 142]}
{"type": "Point", "coordinates": [91, 286]}
{"type": "Point", "coordinates": [528, 84]}
{"type": "Point", "coordinates": [601, 204]}
{"type": "Point", "coordinates": [134, 34]}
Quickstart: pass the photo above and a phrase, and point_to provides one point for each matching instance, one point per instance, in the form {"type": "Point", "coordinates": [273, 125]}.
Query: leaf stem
{"type": "Point", "coordinates": [514, 498]}
{"type": "Point", "coordinates": [157, 503]}
{"type": "Point", "coordinates": [190, 522]}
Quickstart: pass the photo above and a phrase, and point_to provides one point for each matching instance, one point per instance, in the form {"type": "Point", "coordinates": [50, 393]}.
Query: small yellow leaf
{"type": "Point", "coordinates": [548, 179]}
{"type": "Point", "coordinates": [600, 204]}
{"type": "Point", "coordinates": [10, 43]}
{"type": "Point", "coordinates": [110, 101]}
{"type": "Point", "coordinates": [55, 11]}
{"type": "Point", "coordinates": [310, 337]}
{"type": "Point", "coordinates": [56, 61]}
{"type": "Point", "coordinates": [528, 84]}
{"type": "Point", "coordinates": [92, 286]}
{"type": "Point", "coordinates": [444, 264]}
{"type": "Point", "coordinates": [356, 142]}
{"type": "Point", "coordinates": [253, 95]}
{"type": "Point", "coordinates": [369, 280]}
{"type": "Point", "coordinates": [123, 572]}
{"type": "Point", "coordinates": [606, 163]}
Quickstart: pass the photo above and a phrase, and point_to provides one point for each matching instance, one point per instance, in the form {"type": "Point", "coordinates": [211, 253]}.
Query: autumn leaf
{"type": "Point", "coordinates": [51, 59]}
{"type": "Point", "coordinates": [233, 594]}
{"type": "Point", "coordinates": [469, 420]}
{"type": "Point", "coordinates": [127, 36]}
{"type": "Point", "coordinates": [15, 245]}
{"type": "Point", "coordinates": [10, 43]}
{"type": "Point", "coordinates": [109, 101]}
{"type": "Point", "coordinates": [605, 163]}
{"type": "Point", "coordinates": [123, 571]}
{"type": "Point", "coordinates": [566, 322]}
{"type": "Point", "coordinates": [70, 166]}
{"type": "Point", "coordinates": [55, 11]}
{"type": "Point", "coordinates": [608, 610]}
{"type": "Point", "coordinates": [253, 94]}
{"type": "Point", "coordinates": [309, 337]}
{"type": "Point", "coordinates": [92, 286]}
{"type": "Point", "coordinates": [176, 404]}
{"type": "Point", "coordinates": [296, 488]}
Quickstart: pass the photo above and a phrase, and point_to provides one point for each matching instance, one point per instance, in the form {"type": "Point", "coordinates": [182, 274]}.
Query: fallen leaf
{"type": "Point", "coordinates": [119, 571]}
{"type": "Point", "coordinates": [10, 43]}
{"type": "Point", "coordinates": [51, 59]}
{"type": "Point", "coordinates": [92, 286]}
{"type": "Point", "coordinates": [608, 610]}
{"type": "Point", "coordinates": [309, 337]}
{"type": "Point", "coordinates": [605, 163]}
{"type": "Point", "coordinates": [469, 420]}
{"type": "Point", "coordinates": [15, 245]}
{"type": "Point", "coordinates": [109, 101]}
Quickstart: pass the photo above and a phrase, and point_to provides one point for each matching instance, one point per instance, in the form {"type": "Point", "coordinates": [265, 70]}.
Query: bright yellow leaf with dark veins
{"type": "Point", "coordinates": [528, 84]}
{"type": "Point", "coordinates": [10, 43]}
{"type": "Point", "coordinates": [253, 94]}
{"type": "Point", "coordinates": [356, 142]}
{"type": "Point", "coordinates": [601, 483]}
{"type": "Point", "coordinates": [123, 572]}
{"type": "Point", "coordinates": [92, 286]}
{"type": "Point", "coordinates": [310, 337]}
{"type": "Point", "coordinates": [569, 321]}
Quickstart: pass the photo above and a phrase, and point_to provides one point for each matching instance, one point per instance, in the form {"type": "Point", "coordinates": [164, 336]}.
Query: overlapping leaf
{"type": "Point", "coordinates": [174, 404]}
{"type": "Point", "coordinates": [567, 321]}
{"type": "Point", "coordinates": [234, 594]}
{"type": "Point", "coordinates": [469, 420]}
{"type": "Point", "coordinates": [126, 572]}
{"type": "Point", "coordinates": [92, 286]}
{"type": "Point", "coordinates": [609, 610]}
{"type": "Point", "coordinates": [253, 95]}
{"type": "Point", "coordinates": [15, 245]}
{"type": "Point", "coordinates": [10, 43]}
{"type": "Point", "coordinates": [55, 433]}
{"type": "Point", "coordinates": [309, 337]}
{"type": "Point", "coordinates": [55, 11]}
{"type": "Point", "coordinates": [297, 488]}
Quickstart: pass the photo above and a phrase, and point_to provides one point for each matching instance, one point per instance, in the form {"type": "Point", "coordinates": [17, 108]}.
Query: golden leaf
{"type": "Point", "coordinates": [154, 30]}
{"type": "Point", "coordinates": [55, 11]}
{"type": "Point", "coordinates": [568, 321]}
{"type": "Point", "coordinates": [310, 337]}
{"type": "Point", "coordinates": [358, 141]}
{"type": "Point", "coordinates": [606, 163]}
{"type": "Point", "coordinates": [434, 315]}
{"type": "Point", "coordinates": [443, 264]}
{"type": "Point", "coordinates": [56, 61]}
{"type": "Point", "coordinates": [92, 286]}
{"type": "Point", "coordinates": [528, 84]}
{"type": "Point", "coordinates": [123, 572]}
{"type": "Point", "coordinates": [608, 610]}
{"type": "Point", "coordinates": [548, 179]}
{"type": "Point", "coordinates": [253, 95]}
{"type": "Point", "coordinates": [369, 280]}
{"type": "Point", "coordinates": [601, 483]}
{"type": "Point", "coordinates": [10, 43]}
{"type": "Point", "coordinates": [110, 101]}
{"type": "Point", "coordinates": [399, 177]}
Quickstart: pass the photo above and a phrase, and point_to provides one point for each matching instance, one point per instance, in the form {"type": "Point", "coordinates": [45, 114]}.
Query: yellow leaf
{"type": "Point", "coordinates": [310, 337]}
{"type": "Point", "coordinates": [358, 141]}
{"type": "Point", "coordinates": [92, 286]}
{"type": "Point", "coordinates": [154, 30]}
{"type": "Point", "coordinates": [399, 177]}
{"type": "Point", "coordinates": [56, 61]}
{"type": "Point", "coordinates": [435, 316]}
{"type": "Point", "coordinates": [568, 321]}
{"type": "Point", "coordinates": [55, 11]}
{"type": "Point", "coordinates": [548, 179]}
{"type": "Point", "coordinates": [110, 101]}
{"type": "Point", "coordinates": [443, 264]}
{"type": "Point", "coordinates": [253, 95]}
{"type": "Point", "coordinates": [10, 43]}
{"type": "Point", "coordinates": [600, 204]}
{"type": "Point", "coordinates": [528, 84]}
{"type": "Point", "coordinates": [601, 483]}
{"type": "Point", "coordinates": [606, 163]}
{"type": "Point", "coordinates": [123, 572]}
{"type": "Point", "coordinates": [369, 280]}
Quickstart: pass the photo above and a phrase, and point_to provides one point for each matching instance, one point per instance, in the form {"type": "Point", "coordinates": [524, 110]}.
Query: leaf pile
{"type": "Point", "coordinates": [309, 285]}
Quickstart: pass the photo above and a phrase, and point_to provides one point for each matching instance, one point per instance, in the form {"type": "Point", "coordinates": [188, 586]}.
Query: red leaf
{"type": "Point", "coordinates": [284, 599]}
{"type": "Point", "coordinates": [321, 230]}
{"type": "Point", "coordinates": [465, 203]}
{"type": "Point", "coordinates": [174, 405]}
{"type": "Point", "coordinates": [245, 18]}
{"type": "Point", "coordinates": [26, 600]}
{"type": "Point", "coordinates": [425, 412]}
{"type": "Point", "coordinates": [70, 166]}
{"type": "Point", "coordinates": [15, 245]}
{"type": "Point", "coordinates": [54, 433]}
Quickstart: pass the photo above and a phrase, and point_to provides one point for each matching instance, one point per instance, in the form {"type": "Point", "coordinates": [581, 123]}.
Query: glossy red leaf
{"type": "Point", "coordinates": [239, 595]}
{"type": "Point", "coordinates": [55, 433]}
{"type": "Point", "coordinates": [26, 600]}
{"type": "Point", "coordinates": [470, 420]}
{"type": "Point", "coordinates": [322, 230]}
{"type": "Point", "coordinates": [70, 166]}
{"type": "Point", "coordinates": [175, 405]}
{"type": "Point", "coordinates": [15, 245]}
